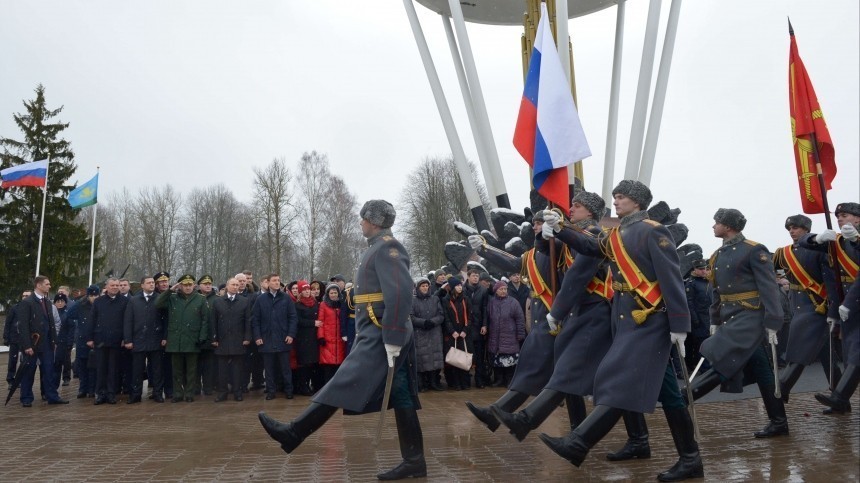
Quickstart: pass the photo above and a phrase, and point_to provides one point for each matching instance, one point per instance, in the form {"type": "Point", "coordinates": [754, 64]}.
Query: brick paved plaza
{"type": "Point", "coordinates": [204, 441]}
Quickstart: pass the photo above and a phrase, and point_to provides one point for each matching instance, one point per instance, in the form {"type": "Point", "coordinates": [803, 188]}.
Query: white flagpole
{"type": "Point", "coordinates": [42, 220]}
{"type": "Point", "coordinates": [93, 244]}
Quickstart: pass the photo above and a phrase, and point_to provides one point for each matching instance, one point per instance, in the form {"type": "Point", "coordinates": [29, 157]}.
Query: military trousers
{"type": "Point", "coordinates": [186, 384]}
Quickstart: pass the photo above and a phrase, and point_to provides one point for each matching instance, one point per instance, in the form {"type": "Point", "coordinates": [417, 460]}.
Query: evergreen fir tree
{"type": "Point", "coordinates": [66, 243]}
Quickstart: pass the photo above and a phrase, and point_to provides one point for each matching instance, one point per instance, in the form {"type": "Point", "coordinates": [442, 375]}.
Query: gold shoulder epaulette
{"type": "Point", "coordinates": [751, 243]}
{"type": "Point", "coordinates": [652, 222]}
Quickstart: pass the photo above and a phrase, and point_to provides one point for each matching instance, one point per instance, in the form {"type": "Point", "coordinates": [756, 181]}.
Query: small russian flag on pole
{"type": "Point", "coordinates": [549, 135]}
{"type": "Point", "coordinates": [27, 174]}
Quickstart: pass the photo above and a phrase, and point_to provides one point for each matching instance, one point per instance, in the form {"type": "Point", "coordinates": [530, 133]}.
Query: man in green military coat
{"type": "Point", "coordinates": [187, 330]}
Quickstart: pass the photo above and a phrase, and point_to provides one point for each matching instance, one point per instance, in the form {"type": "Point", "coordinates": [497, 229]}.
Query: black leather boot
{"type": "Point", "coordinates": [788, 378]}
{"type": "Point", "coordinates": [838, 398]}
{"type": "Point", "coordinates": [575, 409]}
{"type": "Point", "coordinates": [637, 445]}
{"type": "Point", "coordinates": [689, 463]}
{"type": "Point", "coordinates": [703, 384]}
{"type": "Point", "coordinates": [292, 434]}
{"type": "Point", "coordinates": [575, 446]}
{"type": "Point", "coordinates": [775, 408]}
{"type": "Point", "coordinates": [509, 401]}
{"type": "Point", "coordinates": [411, 447]}
{"type": "Point", "coordinates": [522, 422]}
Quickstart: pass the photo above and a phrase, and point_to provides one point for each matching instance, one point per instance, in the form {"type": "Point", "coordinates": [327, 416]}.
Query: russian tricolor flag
{"type": "Point", "coordinates": [549, 135]}
{"type": "Point", "coordinates": [28, 174]}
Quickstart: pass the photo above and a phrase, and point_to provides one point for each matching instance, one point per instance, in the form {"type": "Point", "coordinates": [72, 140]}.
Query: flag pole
{"type": "Point", "coordinates": [820, 176]}
{"type": "Point", "coordinates": [93, 241]}
{"type": "Point", "coordinates": [42, 219]}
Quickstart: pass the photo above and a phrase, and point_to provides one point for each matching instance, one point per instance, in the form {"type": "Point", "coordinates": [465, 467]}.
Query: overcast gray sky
{"type": "Point", "coordinates": [197, 92]}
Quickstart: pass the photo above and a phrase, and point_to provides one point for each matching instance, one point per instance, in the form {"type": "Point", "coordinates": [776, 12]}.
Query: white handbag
{"type": "Point", "coordinates": [460, 359]}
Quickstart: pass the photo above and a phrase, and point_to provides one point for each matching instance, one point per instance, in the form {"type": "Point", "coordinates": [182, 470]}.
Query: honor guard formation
{"type": "Point", "coordinates": [614, 310]}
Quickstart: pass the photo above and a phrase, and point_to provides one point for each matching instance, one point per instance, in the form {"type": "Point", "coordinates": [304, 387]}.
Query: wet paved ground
{"type": "Point", "coordinates": [203, 441]}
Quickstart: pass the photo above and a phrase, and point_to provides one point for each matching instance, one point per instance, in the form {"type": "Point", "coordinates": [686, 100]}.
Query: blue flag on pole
{"type": "Point", "coordinates": [85, 194]}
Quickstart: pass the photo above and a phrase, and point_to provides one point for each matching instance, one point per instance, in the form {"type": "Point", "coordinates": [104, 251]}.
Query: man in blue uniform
{"type": "Point", "coordinates": [383, 303]}
{"type": "Point", "coordinates": [746, 312]}
{"type": "Point", "coordinates": [649, 316]}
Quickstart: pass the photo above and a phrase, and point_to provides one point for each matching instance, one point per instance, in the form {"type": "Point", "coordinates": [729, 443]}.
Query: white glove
{"type": "Point", "coordinates": [832, 323]}
{"type": "Point", "coordinates": [825, 236]}
{"type": "Point", "coordinates": [344, 338]}
{"type": "Point", "coordinates": [552, 322]}
{"type": "Point", "coordinates": [475, 242]}
{"type": "Point", "coordinates": [552, 219]}
{"type": "Point", "coordinates": [392, 351]}
{"type": "Point", "coordinates": [771, 337]}
{"type": "Point", "coordinates": [714, 329]}
{"type": "Point", "coordinates": [547, 232]}
{"type": "Point", "coordinates": [678, 339]}
{"type": "Point", "coordinates": [844, 312]}
{"type": "Point", "coordinates": [849, 232]}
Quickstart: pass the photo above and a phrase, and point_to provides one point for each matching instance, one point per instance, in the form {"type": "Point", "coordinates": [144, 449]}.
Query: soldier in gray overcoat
{"type": "Point", "coordinates": [810, 280]}
{"type": "Point", "coordinates": [383, 301]}
{"type": "Point", "coordinates": [582, 311]}
{"type": "Point", "coordinates": [649, 316]}
{"type": "Point", "coordinates": [746, 311]}
{"type": "Point", "coordinates": [427, 317]}
{"type": "Point", "coordinates": [535, 365]}
{"type": "Point", "coordinates": [845, 248]}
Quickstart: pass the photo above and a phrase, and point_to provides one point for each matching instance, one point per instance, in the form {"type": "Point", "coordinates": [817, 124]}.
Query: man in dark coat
{"type": "Point", "coordinates": [253, 370]}
{"type": "Point", "coordinates": [649, 316]}
{"type": "Point", "coordinates": [383, 298]}
{"type": "Point", "coordinates": [582, 311]}
{"type": "Point", "coordinates": [746, 312]}
{"type": "Point", "coordinates": [230, 323]}
{"type": "Point", "coordinates": [10, 331]}
{"type": "Point", "coordinates": [699, 300]}
{"type": "Point", "coordinates": [274, 322]}
{"type": "Point", "coordinates": [845, 313]}
{"type": "Point", "coordinates": [80, 316]}
{"type": "Point", "coordinates": [480, 298]}
{"type": "Point", "coordinates": [187, 330]}
{"type": "Point", "coordinates": [810, 280]}
{"type": "Point", "coordinates": [105, 334]}
{"type": "Point", "coordinates": [207, 365]}
{"type": "Point", "coordinates": [162, 284]}
{"type": "Point", "coordinates": [145, 335]}
{"type": "Point", "coordinates": [517, 289]}
{"type": "Point", "coordinates": [37, 336]}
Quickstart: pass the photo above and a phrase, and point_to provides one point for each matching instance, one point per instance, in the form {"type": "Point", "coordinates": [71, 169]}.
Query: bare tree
{"type": "Point", "coordinates": [431, 199]}
{"type": "Point", "coordinates": [276, 209]}
{"type": "Point", "coordinates": [312, 185]}
{"type": "Point", "coordinates": [342, 245]}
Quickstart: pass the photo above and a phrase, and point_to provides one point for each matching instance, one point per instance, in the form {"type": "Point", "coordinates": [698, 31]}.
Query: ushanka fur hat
{"type": "Point", "coordinates": [636, 191]}
{"type": "Point", "coordinates": [799, 221]}
{"type": "Point", "coordinates": [850, 208]}
{"type": "Point", "coordinates": [378, 212]}
{"type": "Point", "coordinates": [592, 202]}
{"type": "Point", "coordinates": [731, 217]}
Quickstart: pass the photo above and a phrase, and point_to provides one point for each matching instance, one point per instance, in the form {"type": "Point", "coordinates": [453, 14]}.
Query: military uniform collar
{"type": "Point", "coordinates": [734, 240]}
{"type": "Point", "coordinates": [385, 232]}
{"type": "Point", "coordinates": [584, 224]}
{"type": "Point", "coordinates": [633, 218]}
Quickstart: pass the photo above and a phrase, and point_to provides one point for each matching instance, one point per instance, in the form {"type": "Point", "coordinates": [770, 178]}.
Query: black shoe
{"type": "Point", "coordinates": [406, 469]}
{"type": "Point", "coordinates": [270, 396]}
{"type": "Point", "coordinates": [434, 385]}
{"type": "Point", "coordinates": [133, 400]}
{"type": "Point", "coordinates": [292, 434]}
{"type": "Point", "coordinates": [158, 399]}
{"type": "Point", "coordinates": [238, 397]}
{"type": "Point", "coordinates": [575, 446]}
{"type": "Point", "coordinates": [58, 401]}
{"type": "Point", "coordinates": [207, 393]}
{"type": "Point", "coordinates": [99, 400]}
{"type": "Point", "coordinates": [637, 446]}
{"type": "Point", "coordinates": [257, 387]}
{"type": "Point", "coordinates": [523, 422]}
{"type": "Point", "coordinates": [66, 382]}
{"type": "Point", "coordinates": [177, 400]}
{"type": "Point", "coordinates": [569, 447]}
{"type": "Point", "coordinates": [27, 404]}
{"type": "Point", "coordinates": [778, 427]}
{"type": "Point", "coordinates": [836, 411]}
{"type": "Point", "coordinates": [838, 399]}
{"type": "Point", "coordinates": [689, 463]}
{"type": "Point", "coordinates": [289, 395]}
{"type": "Point", "coordinates": [81, 395]}
{"type": "Point", "coordinates": [485, 415]}
{"type": "Point", "coordinates": [111, 400]}
{"type": "Point", "coordinates": [189, 399]}
{"type": "Point", "coordinates": [221, 398]}
{"type": "Point", "coordinates": [411, 447]}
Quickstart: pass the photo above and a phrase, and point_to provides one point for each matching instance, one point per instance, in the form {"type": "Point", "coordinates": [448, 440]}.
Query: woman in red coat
{"type": "Point", "coordinates": [332, 342]}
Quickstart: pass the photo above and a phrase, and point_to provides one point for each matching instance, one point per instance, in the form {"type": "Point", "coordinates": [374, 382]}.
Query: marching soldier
{"type": "Point", "coordinates": [807, 272]}
{"type": "Point", "coordinates": [746, 311]}
{"type": "Point", "coordinates": [582, 312]}
{"type": "Point", "coordinates": [536, 357]}
{"type": "Point", "coordinates": [383, 301]}
{"type": "Point", "coordinates": [846, 255]}
{"type": "Point", "coordinates": [649, 316]}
